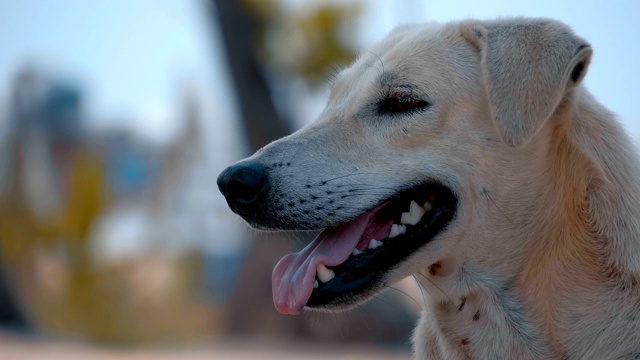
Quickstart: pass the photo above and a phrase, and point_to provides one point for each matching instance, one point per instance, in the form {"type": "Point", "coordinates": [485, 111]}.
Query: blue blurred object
{"type": "Point", "coordinates": [61, 111]}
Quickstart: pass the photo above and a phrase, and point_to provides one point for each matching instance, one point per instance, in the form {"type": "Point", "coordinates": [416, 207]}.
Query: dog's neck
{"type": "Point", "coordinates": [577, 189]}
{"type": "Point", "coordinates": [613, 195]}
{"type": "Point", "coordinates": [594, 205]}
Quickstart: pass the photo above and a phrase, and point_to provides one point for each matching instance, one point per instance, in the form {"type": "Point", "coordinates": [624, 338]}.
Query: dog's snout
{"type": "Point", "coordinates": [243, 184]}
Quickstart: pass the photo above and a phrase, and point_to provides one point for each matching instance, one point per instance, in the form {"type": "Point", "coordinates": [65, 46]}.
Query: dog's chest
{"type": "Point", "coordinates": [484, 320]}
{"type": "Point", "coordinates": [475, 327]}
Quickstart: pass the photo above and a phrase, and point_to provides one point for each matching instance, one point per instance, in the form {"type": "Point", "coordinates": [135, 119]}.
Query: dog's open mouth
{"type": "Point", "coordinates": [346, 262]}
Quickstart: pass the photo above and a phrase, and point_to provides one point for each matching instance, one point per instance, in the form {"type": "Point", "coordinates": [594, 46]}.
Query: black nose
{"type": "Point", "coordinates": [243, 184]}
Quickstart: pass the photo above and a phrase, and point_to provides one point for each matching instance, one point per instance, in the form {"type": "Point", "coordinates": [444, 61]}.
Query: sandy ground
{"type": "Point", "coordinates": [14, 348]}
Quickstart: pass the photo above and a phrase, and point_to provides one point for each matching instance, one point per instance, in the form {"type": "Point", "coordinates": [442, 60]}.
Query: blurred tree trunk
{"type": "Point", "coordinates": [11, 316]}
{"type": "Point", "coordinates": [250, 308]}
{"type": "Point", "coordinates": [261, 121]}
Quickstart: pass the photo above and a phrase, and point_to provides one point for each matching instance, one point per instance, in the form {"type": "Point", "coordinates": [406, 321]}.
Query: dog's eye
{"type": "Point", "coordinates": [393, 105]}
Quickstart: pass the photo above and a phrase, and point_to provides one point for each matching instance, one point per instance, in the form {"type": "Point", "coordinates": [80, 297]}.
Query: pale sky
{"type": "Point", "coordinates": [132, 56]}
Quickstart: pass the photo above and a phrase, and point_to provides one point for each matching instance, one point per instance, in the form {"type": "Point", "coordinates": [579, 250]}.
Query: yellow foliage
{"type": "Point", "coordinates": [309, 43]}
{"type": "Point", "coordinates": [85, 200]}
{"type": "Point", "coordinates": [104, 303]}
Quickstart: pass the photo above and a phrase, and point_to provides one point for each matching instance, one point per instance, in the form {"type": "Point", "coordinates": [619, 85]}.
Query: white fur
{"type": "Point", "coordinates": [543, 258]}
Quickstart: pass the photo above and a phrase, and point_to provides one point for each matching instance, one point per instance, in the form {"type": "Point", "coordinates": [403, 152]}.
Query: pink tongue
{"type": "Point", "coordinates": [293, 277]}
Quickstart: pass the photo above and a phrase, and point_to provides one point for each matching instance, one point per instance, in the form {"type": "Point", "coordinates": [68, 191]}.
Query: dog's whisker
{"type": "Point", "coordinates": [390, 300]}
{"type": "Point", "coordinates": [352, 189]}
{"type": "Point", "coordinates": [361, 194]}
{"type": "Point", "coordinates": [361, 191]}
{"type": "Point", "coordinates": [373, 186]}
{"type": "Point", "coordinates": [377, 297]}
{"type": "Point", "coordinates": [363, 309]}
{"type": "Point", "coordinates": [296, 237]}
{"type": "Point", "coordinates": [434, 284]}
{"type": "Point", "coordinates": [422, 290]}
{"type": "Point", "coordinates": [294, 155]}
{"type": "Point", "coordinates": [497, 207]}
{"type": "Point", "coordinates": [332, 75]}
{"type": "Point", "coordinates": [342, 177]}
{"type": "Point", "coordinates": [404, 293]}
{"type": "Point", "coordinates": [382, 77]}
{"type": "Point", "coordinates": [367, 312]}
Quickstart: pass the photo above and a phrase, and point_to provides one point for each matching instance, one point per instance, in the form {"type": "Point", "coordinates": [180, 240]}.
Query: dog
{"type": "Point", "coordinates": [470, 156]}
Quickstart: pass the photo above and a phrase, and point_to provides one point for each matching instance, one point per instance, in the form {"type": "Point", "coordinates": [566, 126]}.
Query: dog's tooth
{"type": "Point", "coordinates": [395, 231]}
{"type": "Point", "coordinates": [356, 252]}
{"type": "Point", "coordinates": [407, 219]}
{"type": "Point", "coordinates": [374, 244]}
{"type": "Point", "coordinates": [427, 206]}
{"type": "Point", "coordinates": [315, 284]}
{"type": "Point", "coordinates": [413, 216]}
{"type": "Point", "coordinates": [325, 274]}
{"type": "Point", "coordinates": [416, 210]}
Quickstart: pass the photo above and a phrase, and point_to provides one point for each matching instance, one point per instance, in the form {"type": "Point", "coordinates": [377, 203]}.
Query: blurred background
{"type": "Point", "coordinates": [117, 116]}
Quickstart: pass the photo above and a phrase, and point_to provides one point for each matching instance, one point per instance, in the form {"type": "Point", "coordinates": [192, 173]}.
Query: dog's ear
{"type": "Point", "coordinates": [528, 65]}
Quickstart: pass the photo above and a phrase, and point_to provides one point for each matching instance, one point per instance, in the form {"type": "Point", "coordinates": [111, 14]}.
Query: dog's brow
{"type": "Point", "coordinates": [390, 79]}
{"type": "Point", "coordinates": [397, 82]}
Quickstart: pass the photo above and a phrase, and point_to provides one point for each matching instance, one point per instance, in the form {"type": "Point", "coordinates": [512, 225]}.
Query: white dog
{"type": "Point", "coordinates": [469, 156]}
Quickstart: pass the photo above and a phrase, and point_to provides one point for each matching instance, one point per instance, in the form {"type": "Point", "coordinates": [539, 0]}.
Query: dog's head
{"type": "Point", "coordinates": [421, 139]}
